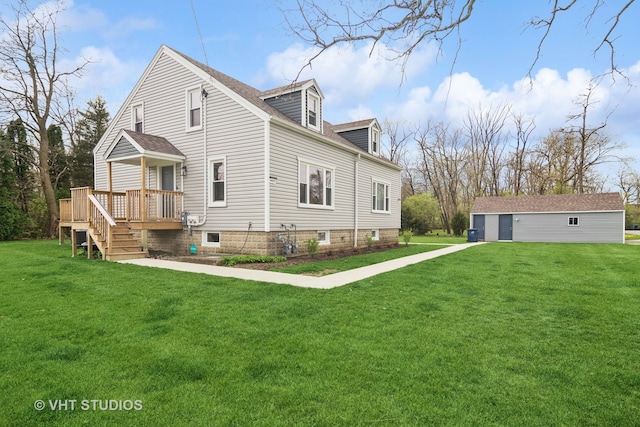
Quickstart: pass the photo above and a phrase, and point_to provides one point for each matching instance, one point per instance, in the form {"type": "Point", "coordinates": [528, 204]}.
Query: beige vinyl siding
{"type": "Point", "coordinates": [237, 134]}
{"type": "Point", "coordinates": [285, 149]}
{"type": "Point", "coordinates": [369, 171]}
{"type": "Point", "coordinates": [594, 227]}
{"type": "Point", "coordinates": [231, 131]}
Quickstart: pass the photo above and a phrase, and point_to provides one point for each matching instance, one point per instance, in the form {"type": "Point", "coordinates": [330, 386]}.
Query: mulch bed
{"type": "Point", "coordinates": [291, 259]}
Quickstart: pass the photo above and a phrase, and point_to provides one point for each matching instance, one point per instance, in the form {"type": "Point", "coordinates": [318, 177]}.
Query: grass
{"type": "Point", "coordinates": [437, 236]}
{"type": "Point", "coordinates": [355, 261]}
{"type": "Point", "coordinates": [630, 236]}
{"type": "Point", "coordinates": [502, 334]}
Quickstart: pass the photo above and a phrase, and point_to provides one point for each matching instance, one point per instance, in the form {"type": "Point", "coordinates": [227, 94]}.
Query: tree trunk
{"type": "Point", "coordinates": [47, 186]}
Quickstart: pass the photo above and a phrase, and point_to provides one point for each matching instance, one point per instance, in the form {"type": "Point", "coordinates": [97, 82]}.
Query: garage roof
{"type": "Point", "coordinates": [549, 203]}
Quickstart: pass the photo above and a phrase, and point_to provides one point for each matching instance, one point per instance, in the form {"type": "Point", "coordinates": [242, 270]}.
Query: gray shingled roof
{"type": "Point", "coordinates": [254, 96]}
{"type": "Point", "coordinates": [360, 124]}
{"type": "Point", "coordinates": [156, 144]}
{"type": "Point", "coordinates": [549, 203]}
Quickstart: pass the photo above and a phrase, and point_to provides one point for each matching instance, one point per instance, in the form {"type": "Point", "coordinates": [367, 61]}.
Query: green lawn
{"type": "Point", "coordinates": [502, 334]}
{"type": "Point", "coordinates": [437, 237]}
{"type": "Point", "coordinates": [356, 261]}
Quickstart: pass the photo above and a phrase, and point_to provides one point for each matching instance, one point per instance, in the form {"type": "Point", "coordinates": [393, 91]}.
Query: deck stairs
{"type": "Point", "coordinates": [122, 246]}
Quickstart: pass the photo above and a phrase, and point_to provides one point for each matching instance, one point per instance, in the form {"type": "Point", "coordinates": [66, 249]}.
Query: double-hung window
{"type": "Point", "coordinates": [194, 109]}
{"type": "Point", "coordinates": [375, 141]}
{"type": "Point", "coordinates": [313, 111]}
{"type": "Point", "coordinates": [217, 182]}
{"type": "Point", "coordinates": [315, 185]}
{"type": "Point", "coordinates": [380, 197]}
{"type": "Point", "coordinates": [137, 117]}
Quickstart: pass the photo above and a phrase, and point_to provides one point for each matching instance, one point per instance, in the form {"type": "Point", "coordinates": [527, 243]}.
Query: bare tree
{"type": "Point", "coordinates": [442, 161]}
{"type": "Point", "coordinates": [629, 184]}
{"type": "Point", "coordinates": [401, 24]}
{"type": "Point", "coordinates": [517, 163]}
{"type": "Point", "coordinates": [397, 140]}
{"type": "Point", "coordinates": [486, 142]}
{"type": "Point", "coordinates": [594, 147]}
{"type": "Point", "coordinates": [608, 39]}
{"type": "Point", "coordinates": [406, 24]}
{"type": "Point", "coordinates": [32, 84]}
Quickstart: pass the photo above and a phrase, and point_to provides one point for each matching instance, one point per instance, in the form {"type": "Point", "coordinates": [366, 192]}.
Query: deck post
{"type": "Point", "coordinates": [110, 189]}
{"type": "Point", "coordinates": [89, 244]}
{"type": "Point", "coordinates": [143, 189]}
{"type": "Point", "coordinates": [74, 243]}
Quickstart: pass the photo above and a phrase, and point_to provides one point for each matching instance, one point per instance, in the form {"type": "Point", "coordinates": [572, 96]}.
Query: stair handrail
{"type": "Point", "coordinates": [102, 222]}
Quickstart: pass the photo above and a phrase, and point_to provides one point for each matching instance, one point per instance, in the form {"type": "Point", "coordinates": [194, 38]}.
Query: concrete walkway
{"type": "Point", "coordinates": [324, 282]}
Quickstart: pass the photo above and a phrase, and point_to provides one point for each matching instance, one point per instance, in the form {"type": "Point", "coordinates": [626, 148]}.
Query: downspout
{"type": "Point", "coordinates": [205, 160]}
{"type": "Point", "coordinates": [267, 176]}
{"type": "Point", "coordinates": [355, 202]}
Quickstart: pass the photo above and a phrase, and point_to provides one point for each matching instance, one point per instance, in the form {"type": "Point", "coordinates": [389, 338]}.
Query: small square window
{"type": "Point", "coordinates": [375, 235]}
{"type": "Point", "coordinates": [211, 239]}
{"type": "Point", "coordinates": [573, 221]}
{"type": "Point", "coordinates": [323, 237]}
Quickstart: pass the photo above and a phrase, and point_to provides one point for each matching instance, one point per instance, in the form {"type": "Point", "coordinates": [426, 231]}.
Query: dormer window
{"type": "Point", "coordinates": [137, 118]}
{"type": "Point", "coordinates": [313, 111]}
{"type": "Point", "coordinates": [375, 141]}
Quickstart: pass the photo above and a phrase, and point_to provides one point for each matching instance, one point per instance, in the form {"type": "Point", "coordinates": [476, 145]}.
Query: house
{"type": "Point", "coordinates": [195, 159]}
{"type": "Point", "coordinates": [575, 218]}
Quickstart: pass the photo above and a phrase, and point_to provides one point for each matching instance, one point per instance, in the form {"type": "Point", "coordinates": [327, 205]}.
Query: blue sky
{"type": "Point", "coordinates": [249, 40]}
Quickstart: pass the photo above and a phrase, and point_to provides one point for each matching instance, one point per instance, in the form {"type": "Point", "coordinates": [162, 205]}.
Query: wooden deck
{"type": "Point", "coordinates": [111, 217]}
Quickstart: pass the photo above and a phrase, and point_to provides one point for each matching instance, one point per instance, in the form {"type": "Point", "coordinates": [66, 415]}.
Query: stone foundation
{"type": "Point", "coordinates": [178, 242]}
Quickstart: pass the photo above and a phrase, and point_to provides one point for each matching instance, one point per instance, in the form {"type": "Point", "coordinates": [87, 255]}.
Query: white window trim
{"type": "Point", "coordinates": [208, 244]}
{"type": "Point", "coordinates": [327, 237]}
{"type": "Point", "coordinates": [187, 98]}
{"type": "Point", "coordinates": [375, 234]}
{"type": "Point", "coordinates": [133, 115]}
{"type": "Point", "coordinates": [318, 125]}
{"type": "Point", "coordinates": [375, 132]}
{"type": "Point", "coordinates": [211, 202]}
{"type": "Point", "coordinates": [388, 185]}
{"type": "Point", "coordinates": [573, 225]}
{"type": "Point", "coordinates": [333, 185]}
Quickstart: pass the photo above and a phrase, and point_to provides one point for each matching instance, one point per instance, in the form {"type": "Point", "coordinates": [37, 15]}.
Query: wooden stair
{"type": "Point", "coordinates": [123, 244]}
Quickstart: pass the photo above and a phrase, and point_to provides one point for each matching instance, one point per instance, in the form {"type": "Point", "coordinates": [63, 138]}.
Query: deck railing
{"type": "Point", "coordinates": [159, 205]}
{"type": "Point", "coordinates": [65, 210]}
{"type": "Point", "coordinates": [100, 219]}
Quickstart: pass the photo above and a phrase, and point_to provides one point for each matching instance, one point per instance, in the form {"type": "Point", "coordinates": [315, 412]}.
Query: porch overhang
{"type": "Point", "coordinates": [131, 147]}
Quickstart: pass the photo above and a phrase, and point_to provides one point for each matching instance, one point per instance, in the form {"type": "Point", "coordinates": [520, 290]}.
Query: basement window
{"type": "Point", "coordinates": [573, 221]}
{"type": "Point", "coordinates": [323, 237]}
{"type": "Point", "coordinates": [211, 239]}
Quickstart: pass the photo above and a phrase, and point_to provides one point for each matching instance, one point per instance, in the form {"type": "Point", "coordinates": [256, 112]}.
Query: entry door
{"type": "Point", "coordinates": [168, 181]}
{"type": "Point", "coordinates": [505, 227]}
{"type": "Point", "coordinates": [478, 222]}
{"type": "Point", "coordinates": [167, 178]}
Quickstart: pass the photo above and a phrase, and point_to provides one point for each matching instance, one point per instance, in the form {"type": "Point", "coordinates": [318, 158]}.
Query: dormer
{"type": "Point", "coordinates": [364, 134]}
{"type": "Point", "coordinates": [301, 102]}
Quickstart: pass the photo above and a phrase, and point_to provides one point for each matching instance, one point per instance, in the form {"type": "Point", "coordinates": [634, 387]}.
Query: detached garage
{"type": "Point", "coordinates": [570, 218]}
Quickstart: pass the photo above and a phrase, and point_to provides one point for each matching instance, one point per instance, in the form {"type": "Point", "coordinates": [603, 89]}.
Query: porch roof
{"type": "Point", "coordinates": [129, 147]}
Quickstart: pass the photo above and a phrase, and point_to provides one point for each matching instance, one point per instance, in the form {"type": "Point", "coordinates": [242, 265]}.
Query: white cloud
{"type": "Point", "coordinates": [105, 72]}
{"type": "Point", "coordinates": [346, 73]}
{"type": "Point", "coordinates": [81, 18]}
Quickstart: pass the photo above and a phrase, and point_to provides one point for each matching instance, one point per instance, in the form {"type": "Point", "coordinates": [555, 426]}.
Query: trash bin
{"type": "Point", "coordinates": [472, 235]}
